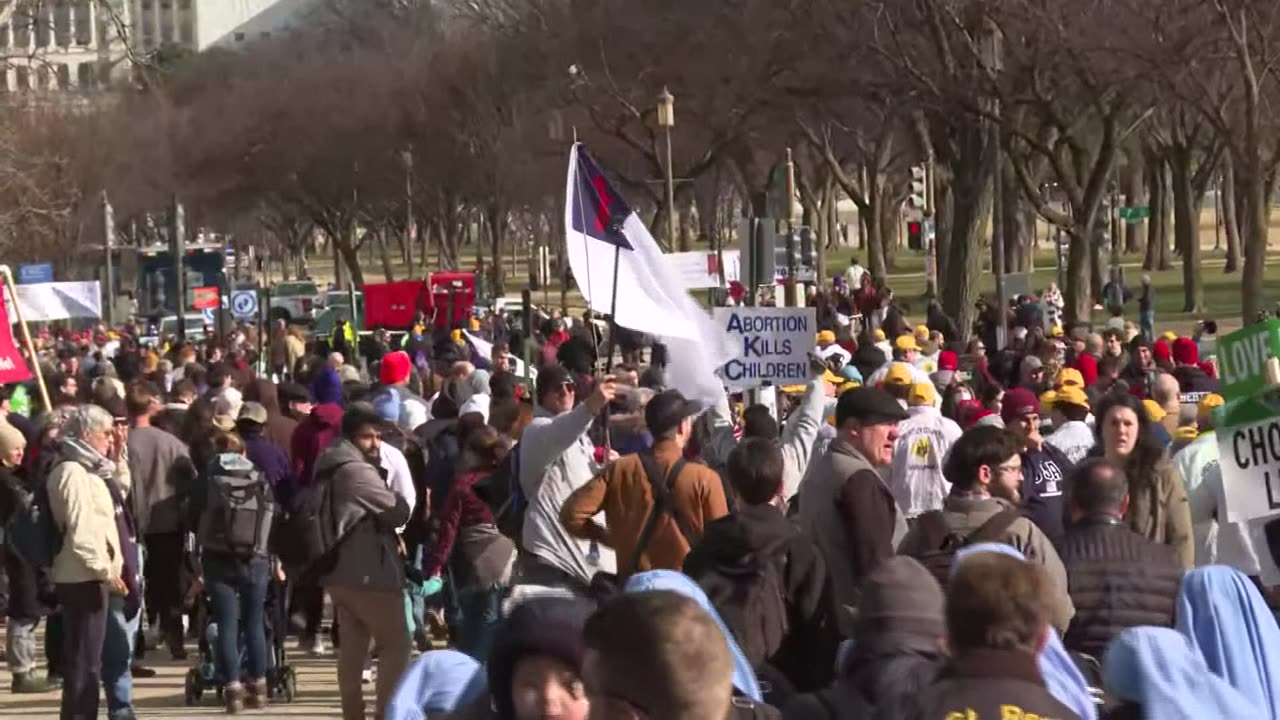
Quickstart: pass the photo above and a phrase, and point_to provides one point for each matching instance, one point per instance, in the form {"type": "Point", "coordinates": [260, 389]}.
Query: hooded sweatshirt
{"type": "Point", "coordinates": [1158, 671]}
{"type": "Point", "coordinates": [1223, 616]}
{"type": "Point", "coordinates": [311, 437]}
{"type": "Point", "coordinates": [280, 427]}
{"type": "Point", "coordinates": [740, 541]}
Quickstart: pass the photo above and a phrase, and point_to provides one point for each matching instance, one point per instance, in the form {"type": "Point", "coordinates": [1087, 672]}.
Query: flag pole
{"type": "Point", "coordinates": [26, 337]}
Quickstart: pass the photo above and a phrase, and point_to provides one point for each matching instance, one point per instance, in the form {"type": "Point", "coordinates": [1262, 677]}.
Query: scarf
{"type": "Point", "coordinates": [75, 450]}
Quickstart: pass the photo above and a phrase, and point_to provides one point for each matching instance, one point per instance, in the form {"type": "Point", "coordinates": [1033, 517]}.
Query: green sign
{"type": "Point", "coordinates": [1242, 359]}
{"type": "Point", "coordinates": [1134, 214]}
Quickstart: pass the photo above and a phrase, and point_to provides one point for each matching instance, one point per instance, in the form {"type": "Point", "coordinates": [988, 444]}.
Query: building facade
{"type": "Point", "coordinates": [198, 25]}
{"type": "Point", "coordinates": [66, 45]}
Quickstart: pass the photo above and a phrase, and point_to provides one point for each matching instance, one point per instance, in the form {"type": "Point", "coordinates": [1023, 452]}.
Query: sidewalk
{"type": "Point", "coordinates": [160, 697]}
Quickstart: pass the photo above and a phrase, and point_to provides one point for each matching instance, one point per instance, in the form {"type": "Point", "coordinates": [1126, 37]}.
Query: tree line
{"type": "Point", "coordinates": [414, 128]}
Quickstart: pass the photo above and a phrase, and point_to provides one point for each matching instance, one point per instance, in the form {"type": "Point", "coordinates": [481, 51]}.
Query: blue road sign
{"type": "Point", "coordinates": [244, 303]}
{"type": "Point", "coordinates": [33, 273]}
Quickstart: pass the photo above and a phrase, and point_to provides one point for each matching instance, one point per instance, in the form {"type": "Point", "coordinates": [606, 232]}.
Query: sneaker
{"type": "Point", "coordinates": [233, 697]}
{"type": "Point", "coordinates": [315, 647]}
{"type": "Point", "coordinates": [141, 671]}
{"type": "Point", "coordinates": [28, 684]}
{"type": "Point", "coordinates": [368, 675]}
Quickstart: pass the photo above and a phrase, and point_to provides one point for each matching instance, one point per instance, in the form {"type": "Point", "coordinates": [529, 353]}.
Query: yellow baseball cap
{"type": "Point", "coordinates": [922, 333]}
{"type": "Point", "coordinates": [826, 336]}
{"type": "Point", "coordinates": [1155, 413]}
{"type": "Point", "coordinates": [1055, 331]}
{"type": "Point", "coordinates": [921, 394]}
{"type": "Point", "coordinates": [879, 335]}
{"type": "Point", "coordinates": [1072, 395]}
{"type": "Point", "coordinates": [898, 374]}
{"type": "Point", "coordinates": [1048, 399]}
{"type": "Point", "coordinates": [833, 378]}
{"type": "Point", "coordinates": [1070, 377]}
{"type": "Point", "coordinates": [906, 343]}
{"type": "Point", "coordinates": [1204, 409]}
{"type": "Point", "coordinates": [1170, 336]}
{"type": "Point", "coordinates": [1186, 432]}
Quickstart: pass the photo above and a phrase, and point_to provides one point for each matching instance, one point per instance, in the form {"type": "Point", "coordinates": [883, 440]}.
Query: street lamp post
{"type": "Point", "coordinates": [406, 157]}
{"type": "Point", "coordinates": [667, 120]}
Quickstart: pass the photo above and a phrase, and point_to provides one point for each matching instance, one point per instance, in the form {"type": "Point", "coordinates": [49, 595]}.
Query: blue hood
{"type": "Point", "coordinates": [744, 677]}
{"type": "Point", "coordinates": [1157, 669]}
{"type": "Point", "coordinates": [439, 681]}
{"type": "Point", "coordinates": [1061, 676]}
{"type": "Point", "coordinates": [1224, 617]}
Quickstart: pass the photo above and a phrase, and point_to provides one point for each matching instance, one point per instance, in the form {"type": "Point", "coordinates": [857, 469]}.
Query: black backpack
{"type": "Point", "coordinates": [239, 511]}
{"type": "Point", "coordinates": [751, 599]}
{"type": "Point", "coordinates": [943, 544]}
{"type": "Point", "coordinates": [30, 532]}
{"type": "Point", "coordinates": [501, 491]}
{"type": "Point", "coordinates": [439, 474]}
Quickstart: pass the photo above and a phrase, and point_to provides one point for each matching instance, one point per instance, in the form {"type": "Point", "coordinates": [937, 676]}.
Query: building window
{"type": "Point", "coordinates": [184, 4]}
{"type": "Point", "coordinates": [186, 32]}
{"type": "Point", "coordinates": [22, 77]}
{"type": "Point", "coordinates": [239, 37]}
{"type": "Point", "coordinates": [84, 23]}
{"type": "Point", "coordinates": [62, 72]}
{"type": "Point", "coordinates": [265, 34]}
{"type": "Point", "coordinates": [42, 77]}
{"type": "Point", "coordinates": [84, 75]}
{"type": "Point", "coordinates": [104, 74]}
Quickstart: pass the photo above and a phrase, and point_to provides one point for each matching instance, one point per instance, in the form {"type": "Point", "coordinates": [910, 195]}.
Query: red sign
{"type": "Point", "coordinates": [204, 298]}
{"type": "Point", "coordinates": [13, 368]}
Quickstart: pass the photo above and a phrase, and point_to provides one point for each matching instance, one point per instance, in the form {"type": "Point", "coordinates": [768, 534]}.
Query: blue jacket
{"type": "Point", "coordinates": [1158, 670]}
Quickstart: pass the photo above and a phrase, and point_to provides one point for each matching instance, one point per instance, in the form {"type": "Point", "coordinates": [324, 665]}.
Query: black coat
{"type": "Point", "coordinates": [30, 595]}
{"type": "Point", "coordinates": [807, 654]}
{"type": "Point", "coordinates": [899, 666]}
{"type": "Point", "coordinates": [982, 682]}
{"type": "Point", "coordinates": [1117, 579]}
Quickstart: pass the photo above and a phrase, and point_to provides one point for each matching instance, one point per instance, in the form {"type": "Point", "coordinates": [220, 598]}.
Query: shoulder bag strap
{"type": "Point", "coordinates": [660, 504]}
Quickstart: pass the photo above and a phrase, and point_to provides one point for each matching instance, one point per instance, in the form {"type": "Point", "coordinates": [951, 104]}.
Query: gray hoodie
{"type": "Point", "coordinates": [365, 514]}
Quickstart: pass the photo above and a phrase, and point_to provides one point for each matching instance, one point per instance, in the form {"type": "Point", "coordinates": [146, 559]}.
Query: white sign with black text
{"type": "Point", "coordinates": [770, 345]}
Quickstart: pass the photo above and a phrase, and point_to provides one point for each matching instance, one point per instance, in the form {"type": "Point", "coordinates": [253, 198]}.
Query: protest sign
{"type": "Point", "coordinates": [1242, 359]}
{"type": "Point", "coordinates": [44, 302]}
{"type": "Point", "coordinates": [770, 345]}
{"type": "Point", "coordinates": [701, 270]}
{"type": "Point", "coordinates": [1247, 488]}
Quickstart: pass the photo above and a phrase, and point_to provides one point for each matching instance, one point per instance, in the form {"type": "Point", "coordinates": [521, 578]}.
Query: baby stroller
{"type": "Point", "coordinates": [281, 679]}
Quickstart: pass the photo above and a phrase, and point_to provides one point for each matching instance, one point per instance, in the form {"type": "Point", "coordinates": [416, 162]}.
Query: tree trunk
{"type": "Point", "coordinates": [890, 232]}
{"type": "Point", "coordinates": [1134, 187]}
{"type": "Point", "coordinates": [496, 220]}
{"type": "Point", "coordinates": [970, 204]}
{"type": "Point", "coordinates": [1079, 293]}
{"type": "Point", "coordinates": [1016, 235]}
{"type": "Point", "coordinates": [1251, 185]}
{"type": "Point", "coordinates": [351, 258]}
{"type": "Point", "coordinates": [384, 247]}
{"type": "Point", "coordinates": [1186, 228]}
{"type": "Point", "coordinates": [876, 233]}
{"type": "Point", "coordinates": [1164, 261]}
{"type": "Point", "coordinates": [942, 231]}
{"type": "Point", "coordinates": [1228, 207]}
{"type": "Point", "coordinates": [1157, 227]}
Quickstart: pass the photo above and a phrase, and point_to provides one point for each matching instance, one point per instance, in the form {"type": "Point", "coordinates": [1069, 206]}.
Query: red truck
{"type": "Point", "coordinates": [448, 298]}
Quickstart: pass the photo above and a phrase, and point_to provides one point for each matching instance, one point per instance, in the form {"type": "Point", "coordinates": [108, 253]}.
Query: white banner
{"type": "Point", "coordinates": [43, 302]}
{"type": "Point", "coordinates": [770, 345]}
{"type": "Point", "coordinates": [699, 270]}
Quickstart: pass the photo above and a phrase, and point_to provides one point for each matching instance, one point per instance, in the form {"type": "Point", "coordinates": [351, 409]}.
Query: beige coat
{"type": "Point", "coordinates": [82, 509]}
{"type": "Point", "coordinates": [1159, 510]}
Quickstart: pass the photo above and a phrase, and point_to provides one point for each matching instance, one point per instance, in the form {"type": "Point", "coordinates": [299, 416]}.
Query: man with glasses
{"type": "Point", "coordinates": [556, 458]}
{"type": "Point", "coordinates": [1045, 468]}
{"type": "Point", "coordinates": [985, 471]}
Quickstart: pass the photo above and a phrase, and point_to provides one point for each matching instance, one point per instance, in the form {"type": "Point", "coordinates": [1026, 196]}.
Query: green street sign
{"type": "Point", "coordinates": [1242, 359]}
{"type": "Point", "coordinates": [1134, 214]}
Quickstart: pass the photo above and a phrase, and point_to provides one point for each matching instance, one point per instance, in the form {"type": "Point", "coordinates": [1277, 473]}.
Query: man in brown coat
{"type": "Point", "coordinates": [625, 492]}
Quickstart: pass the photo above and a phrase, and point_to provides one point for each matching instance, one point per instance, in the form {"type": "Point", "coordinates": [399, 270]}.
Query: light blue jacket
{"type": "Point", "coordinates": [1158, 670]}
{"type": "Point", "coordinates": [439, 681]}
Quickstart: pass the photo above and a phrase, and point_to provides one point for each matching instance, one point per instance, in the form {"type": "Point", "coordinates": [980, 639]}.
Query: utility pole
{"type": "Point", "coordinates": [793, 297]}
{"type": "Point", "coordinates": [109, 240]}
{"type": "Point", "coordinates": [997, 209]}
{"type": "Point", "coordinates": [667, 120]}
{"type": "Point", "coordinates": [930, 232]}
{"type": "Point", "coordinates": [178, 243]}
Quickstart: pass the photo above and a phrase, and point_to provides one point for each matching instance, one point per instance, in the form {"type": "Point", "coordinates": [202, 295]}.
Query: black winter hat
{"type": "Point", "coordinates": [550, 626]}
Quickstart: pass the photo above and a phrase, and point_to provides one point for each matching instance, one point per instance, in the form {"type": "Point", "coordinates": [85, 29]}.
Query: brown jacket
{"type": "Point", "coordinates": [623, 493]}
{"type": "Point", "coordinates": [1159, 510]}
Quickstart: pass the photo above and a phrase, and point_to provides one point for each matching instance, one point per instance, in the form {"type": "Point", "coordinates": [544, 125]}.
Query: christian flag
{"type": "Point", "coordinates": [608, 243]}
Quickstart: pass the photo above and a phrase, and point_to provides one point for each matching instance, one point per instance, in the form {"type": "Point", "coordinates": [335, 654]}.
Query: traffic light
{"type": "Point", "coordinates": [918, 199]}
{"type": "Point", "coordinates": [915, 235]}
{"type": "Point", "coordinates": [806, 247]}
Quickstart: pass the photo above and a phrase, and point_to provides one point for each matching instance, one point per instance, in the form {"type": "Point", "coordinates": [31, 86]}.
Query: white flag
{"type": "Point", "coordinates": [608, 244]}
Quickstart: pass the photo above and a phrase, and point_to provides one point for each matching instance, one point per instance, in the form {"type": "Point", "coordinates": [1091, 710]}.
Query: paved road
{"type": "Point", "coordinates": [160, 698]}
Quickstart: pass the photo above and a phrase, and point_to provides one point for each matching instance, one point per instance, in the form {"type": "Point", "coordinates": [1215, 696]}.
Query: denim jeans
{"type": "Point", "coordinates": [117, 656]}
{"type": "Point", "coordinates": [238, 593]}
{"type": "Point", "coordinates": [481, 615]}
{"type": "Point", "coordinates": [20, 645]}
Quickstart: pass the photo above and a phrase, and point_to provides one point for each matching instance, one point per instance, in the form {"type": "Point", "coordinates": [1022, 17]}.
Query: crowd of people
{"type": "Point", "coordinates": [928, 529]}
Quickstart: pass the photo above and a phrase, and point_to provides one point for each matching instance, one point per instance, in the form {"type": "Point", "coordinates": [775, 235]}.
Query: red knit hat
{"type": "Point", "coordinates": [395, 368]}
{"type": "Point", "coordinates": [1209, 369]}
{"type": "Point", "coordinates": [1186, 352]}
{"type": "Point", "coordinates": [947, 360]}
{"type": "Point", "coordinates": [1160, 350]}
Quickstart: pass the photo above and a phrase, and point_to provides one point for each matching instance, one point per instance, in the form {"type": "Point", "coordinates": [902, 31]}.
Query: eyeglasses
{"type": "Point", "coordinates": [1007, 468]}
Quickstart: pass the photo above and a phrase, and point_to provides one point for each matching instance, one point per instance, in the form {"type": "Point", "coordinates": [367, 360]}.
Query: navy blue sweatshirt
{"type": "Point", "coordinates": [1044, 479]}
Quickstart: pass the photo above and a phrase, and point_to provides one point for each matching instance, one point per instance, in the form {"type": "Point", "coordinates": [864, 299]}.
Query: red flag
{"type": "Point", "coordinates": [13, 368]}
